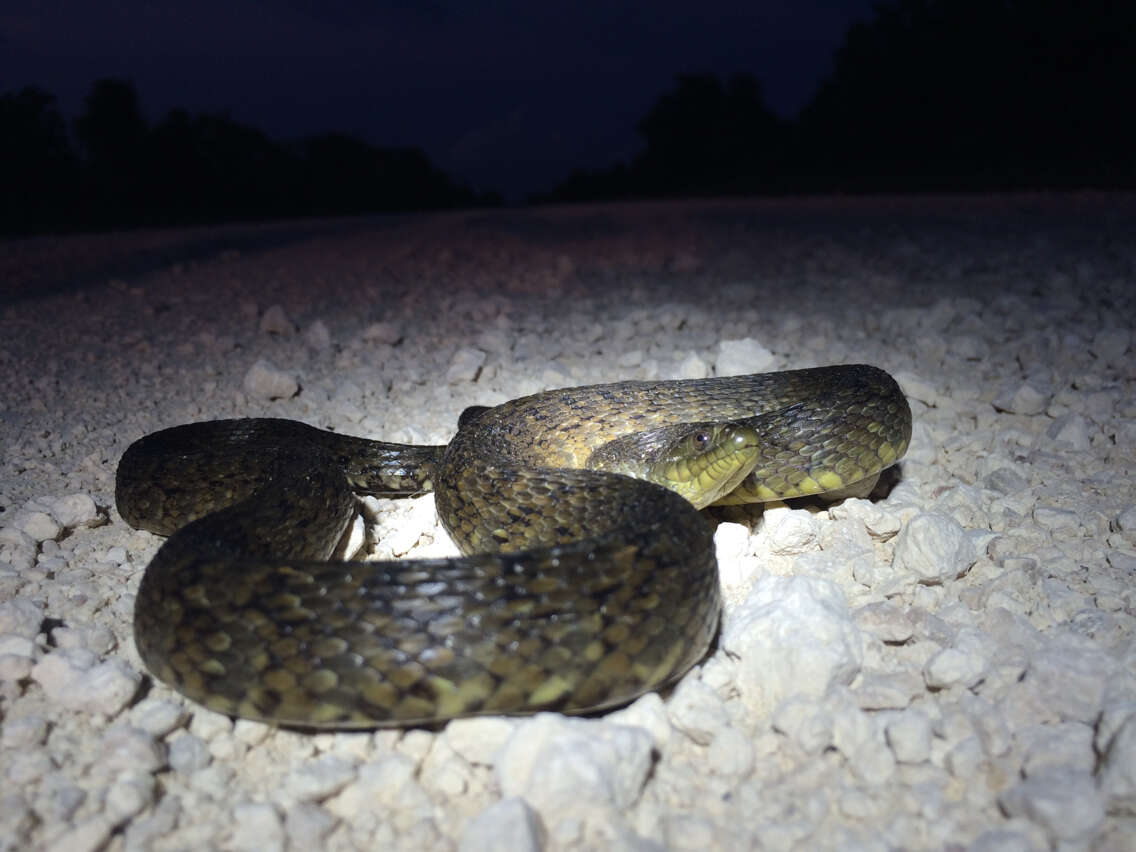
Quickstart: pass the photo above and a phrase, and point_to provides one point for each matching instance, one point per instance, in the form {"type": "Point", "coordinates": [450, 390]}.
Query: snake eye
{"type": "Point", "coordinates": [701, 440]}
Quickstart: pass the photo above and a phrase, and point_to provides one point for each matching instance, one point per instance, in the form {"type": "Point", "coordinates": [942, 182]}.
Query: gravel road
{"type": "Point", "coordinates": [950, 664]}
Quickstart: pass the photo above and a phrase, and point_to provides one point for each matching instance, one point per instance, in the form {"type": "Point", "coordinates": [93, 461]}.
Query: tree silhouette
{"type": "Point", "coordinates": [346, 174]}
{"type": "Point", "coordinates": [112, 135]}
{"type": "Point", "coordinates": [193, 168]}
{"type": "Point", "coordinates": [210, 166]}
{"type": "Point", "coordinates": [704, 137]}
{"type": "Point", "coordinates": [982, 93]}
{"type": "Point", "coordinates": [928, 94]}
{"type": "Point", "coordinates": [708, 137]}
{"type": "Point", "coordinates": [38, 168]}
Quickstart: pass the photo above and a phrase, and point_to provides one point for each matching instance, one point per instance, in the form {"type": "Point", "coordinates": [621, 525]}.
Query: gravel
{"type": "Point", "coordinates": [949, 664]}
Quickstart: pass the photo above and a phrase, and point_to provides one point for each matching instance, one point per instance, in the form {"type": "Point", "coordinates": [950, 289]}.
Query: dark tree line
{"type": "Point", "coordinates": [928, 95]}
{"type": "Point", "coordinates": [191, 168]}
{"type": "Point", "coordinates": [39, 168]}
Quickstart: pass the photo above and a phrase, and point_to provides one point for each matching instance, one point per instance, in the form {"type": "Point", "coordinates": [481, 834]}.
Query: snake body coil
{"type": "Point", "coordinates": [587, 583]}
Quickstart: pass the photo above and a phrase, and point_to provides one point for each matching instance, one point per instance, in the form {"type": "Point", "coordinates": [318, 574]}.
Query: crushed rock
{"type": "Point", "coordinates": [949, 664]}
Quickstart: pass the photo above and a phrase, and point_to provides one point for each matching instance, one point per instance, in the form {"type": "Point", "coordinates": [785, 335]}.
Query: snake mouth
{"type": "Point", "coordinates": [709, 462]}
{"type": "Point", "coordinates": [698, 461]}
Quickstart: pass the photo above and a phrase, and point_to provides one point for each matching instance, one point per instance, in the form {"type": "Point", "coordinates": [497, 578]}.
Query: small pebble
{"type": "Point", "coordinates": [1118, 769]}
{"type": "Point", "coordinates": [319, 778]}
{"type": "Point", "coordinates": [1060, 801]}
{"type": "Point", "coordinates": [75, 510]}
{"type": "Point", "coordinates": [479, 739]}
{"type": "Point", "coordinates": [21, 616]}
{"type": "Point", "coordinates": [933, 548]}
{"type": "Point", "coordinates": [946, 664]}
{"type": "Point", "coordinates": [276, 321]}
{"type": "Point", "coordinates": [126, 747]}
{"type": "Point", "coordinates": [265, 381]}
{"type": "Point", "coordinates": [307, 825]}
{"type": "Point", "coordinates": [509, 824]}
{"type": "Point", "coordinates": [257, 827]}
{"type": "Point", "coordinates": [696, 710]}
{"type": "Point", "coordinates": [551, 761]}
{"type": "Point", "coordinates": [382, 332]}
{"type": "Point", "coordinates": [188, 754]}
{"type": "Point", "coordinates": [23, 732]}
{"type": "Point", "coordinates": [464, 365]}
{"type": "Point", "coordinates": [740, 357]}
{"type": "Point", "coordinates": [157, 716]}
{"type": "Point", "coordinates": [909, 736]}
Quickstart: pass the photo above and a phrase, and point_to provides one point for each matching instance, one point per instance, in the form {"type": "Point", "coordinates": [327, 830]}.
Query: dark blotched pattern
{"type": "Point", "coordinates": [584, 588]}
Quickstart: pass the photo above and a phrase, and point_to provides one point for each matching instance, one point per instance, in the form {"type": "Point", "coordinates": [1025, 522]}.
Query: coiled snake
{"type": "Point", "coordinates": [590, 580]}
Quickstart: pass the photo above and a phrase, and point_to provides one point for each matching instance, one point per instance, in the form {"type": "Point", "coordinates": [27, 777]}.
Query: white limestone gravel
{"type": "Point", "coordinates": [948, 664]}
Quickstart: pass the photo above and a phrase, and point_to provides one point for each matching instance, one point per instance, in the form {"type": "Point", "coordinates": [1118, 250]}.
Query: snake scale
{"type": "Point", "coordinates": [590, 576]}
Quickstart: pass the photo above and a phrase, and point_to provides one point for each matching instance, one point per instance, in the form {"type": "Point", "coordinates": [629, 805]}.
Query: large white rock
{"type": "Point", "coordinates": [464, 365]}
{"type": "Point", "coordinates": [934, 548]}
{"type": "Point", "coordinates": [73, 678]}
{"type": "Point", "coordinates": [741, 357]}
{"type": "Point", "coordinates": [1118, 770]}
{"type": "Point", "coordinates": [509, 824]}
{"type": "Point", "coordinates": [792, 636]}
{"type": "Point", "coordinates": [551, 762]}
{"type": "Point", "coordinates": [75, 510]}
{"type": "Point", "coordinates": [1064, 802]}
{"type": "Point", "coordinates": [265, 381]}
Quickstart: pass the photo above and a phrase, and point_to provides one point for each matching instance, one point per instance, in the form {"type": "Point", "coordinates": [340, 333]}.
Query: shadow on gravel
{"type": "Point", "coordinates": [35, 267]}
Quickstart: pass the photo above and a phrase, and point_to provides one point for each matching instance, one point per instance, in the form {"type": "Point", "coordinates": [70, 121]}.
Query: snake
{"type": "Point", "coordinates": [588, 575]}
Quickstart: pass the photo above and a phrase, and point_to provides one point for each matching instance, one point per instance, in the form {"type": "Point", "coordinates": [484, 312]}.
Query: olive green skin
{"type": "Point", "coordinates": [583, 587]}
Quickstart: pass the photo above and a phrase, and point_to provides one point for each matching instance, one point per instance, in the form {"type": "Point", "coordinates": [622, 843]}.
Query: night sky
{"type": "Point", "coordinates": [508, 96]}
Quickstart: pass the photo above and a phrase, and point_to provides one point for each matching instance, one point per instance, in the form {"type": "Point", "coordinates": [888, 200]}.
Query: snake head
{"type": "Point", "coordinates": [700, 461]}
